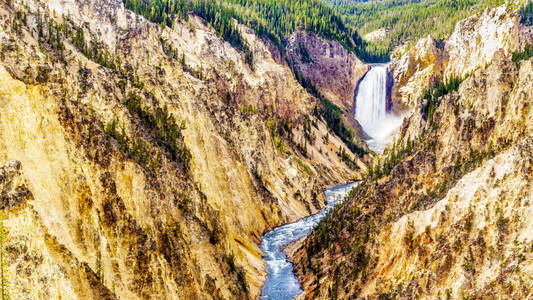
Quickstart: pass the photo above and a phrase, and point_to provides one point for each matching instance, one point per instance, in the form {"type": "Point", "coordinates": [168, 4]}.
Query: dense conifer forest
{"type": "Point", "coordinates": [408, 20]}
{"type": "Point", "coordinates": [271, 19]}
{"type": "Point", "coordinates": [526, 14]}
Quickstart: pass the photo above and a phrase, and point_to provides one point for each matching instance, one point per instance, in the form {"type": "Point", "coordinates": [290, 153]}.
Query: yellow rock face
{"type": "Point", "coordinates": [451, 218]}
{"type": "Point", "coordinates": [413, 72]}
{"type": "Point", "coordinates": [99, 221]}
{"type": "Point", "coordinates": [472, 45]}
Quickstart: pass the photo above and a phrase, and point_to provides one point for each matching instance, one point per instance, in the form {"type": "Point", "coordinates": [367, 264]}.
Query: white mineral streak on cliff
{"type": "Point", "coordinates": [472, 45]}
{"type": "Point", "coordinates": [475, 40]}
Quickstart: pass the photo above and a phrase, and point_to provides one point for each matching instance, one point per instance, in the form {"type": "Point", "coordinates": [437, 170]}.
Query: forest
{"type": "Point", "coordinates": [526, 14]}
{"type": "Point", "coordinates": [271, 19]}
{"type": "Point", "coordinates": [406, 21]}
{"type": "Point", "coordinates": [344, 21]}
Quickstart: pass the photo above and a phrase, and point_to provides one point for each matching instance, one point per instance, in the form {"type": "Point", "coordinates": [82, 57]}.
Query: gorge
{"type": "Point", "coordinates": [445, 212]}
{"type": "Point", "coordinates": [379, 125]}
{"type": "Point", "coordinates": [196, 149]}
{"type": "Point", "coordinates": [281, 283]}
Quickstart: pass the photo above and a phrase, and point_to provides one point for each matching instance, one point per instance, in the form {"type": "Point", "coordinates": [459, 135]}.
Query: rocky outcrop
{"type": "Point", "coordinates": [413, 71]}
{"type": "Point", "coordinates": [119, 211]}
{"type": "Point", "coordinates": [472, 45]}
{"type": "Point", "coordinates": [447, 210]}
{"type": "Point", "coordinates": [475, 40]}
{"type": "Point", "coordinates": [376, 35]}
{"type": "Point", "coordinates": [475, 242]}
{"type": "Point", "coordinates": [525, 36]}
{"type": "Point", "coordinates": [333, 70]}
{"type": "Point", "coordinates": [14, 192]}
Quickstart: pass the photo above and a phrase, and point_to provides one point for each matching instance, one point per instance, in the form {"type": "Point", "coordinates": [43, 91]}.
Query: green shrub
{"type": "Point", "coordinates": [522, 55]}
{"type": "Point", "coordinates": [245, 109]}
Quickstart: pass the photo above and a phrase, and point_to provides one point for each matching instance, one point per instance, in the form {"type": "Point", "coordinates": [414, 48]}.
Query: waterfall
{"type": "Point", "coordinates": [371, 109]}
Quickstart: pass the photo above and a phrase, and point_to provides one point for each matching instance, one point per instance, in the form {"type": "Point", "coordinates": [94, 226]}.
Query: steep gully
{"type": "Point", "coordinates": [379, 126]}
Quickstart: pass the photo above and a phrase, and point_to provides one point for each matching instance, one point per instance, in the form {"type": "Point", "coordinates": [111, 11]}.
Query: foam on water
{"type": "Point", "coordinates": [281, 283]}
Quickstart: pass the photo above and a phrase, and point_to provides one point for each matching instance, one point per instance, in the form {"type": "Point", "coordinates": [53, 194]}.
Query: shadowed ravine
{"type": "Point", "coordinates": [281, 283]}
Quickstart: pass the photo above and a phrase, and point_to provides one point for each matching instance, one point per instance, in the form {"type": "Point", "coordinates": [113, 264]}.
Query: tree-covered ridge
{"type": "Point", "coordinates": [526, 14]}
{"type": "Point", "coordinates": [271, 19]}
{"type": "Point", "coordinates": [408, 20]}
{"type": "Point", "coordinates": [165, 12]}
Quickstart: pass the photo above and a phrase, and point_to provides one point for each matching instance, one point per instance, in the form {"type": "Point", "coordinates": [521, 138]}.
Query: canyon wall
{"type": "Point", "coordinates": [146, 162]}
{"type": "Point", "coordinates": [332, 69]}
{"type": "Point", "coordinates": [445, 213]}
{"type": "Point", "coordinates": [472, 45]}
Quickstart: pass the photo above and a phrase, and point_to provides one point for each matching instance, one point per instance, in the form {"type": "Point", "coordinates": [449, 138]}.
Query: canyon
{"type": "Point", "coordinates": [99, 203]}
{"type": "Point", "coordinates": [145, 161]}
{"type": "Point", "coordinates": [445, 212]}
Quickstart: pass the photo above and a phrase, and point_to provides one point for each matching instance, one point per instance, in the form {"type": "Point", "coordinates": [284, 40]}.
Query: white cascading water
{"type": "Point", "coordinates": [371, 109]}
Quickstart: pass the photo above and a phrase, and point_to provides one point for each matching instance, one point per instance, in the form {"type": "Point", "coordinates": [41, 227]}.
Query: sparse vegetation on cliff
{"type": "Point", "coordinates": [168, 133]}
{"type": "Point", "coordinates": [347, 158]}
{"type": "Point", "coordinates": [272, 20]}
{"type": "Point", "coordinates": [432, 96]}
{"type": "Point", "coordinates": [52, 37]}
{"type": "Point", "coordinates": [134, 148]}
{"type": "Point", "coordinates": [332, 114]}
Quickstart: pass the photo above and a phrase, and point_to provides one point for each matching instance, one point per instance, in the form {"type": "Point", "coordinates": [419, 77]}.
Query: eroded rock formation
{"type": "Point", "coordinates": [471, 46]}
{"type": "Point", "coordinates": [153, 158]}
{"type": "Point", "coordinates": [446, 212]}
{"type": "Point", "coordinates": [328, 65]}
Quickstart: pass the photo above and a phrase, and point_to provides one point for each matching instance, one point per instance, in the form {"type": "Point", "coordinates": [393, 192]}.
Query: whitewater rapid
{"type": "Point", "coordinates": [281, 283]}
{"type": "Point", "coordinates": [371, 109]}
{"type": "Point", "coordinates": [380, 127]}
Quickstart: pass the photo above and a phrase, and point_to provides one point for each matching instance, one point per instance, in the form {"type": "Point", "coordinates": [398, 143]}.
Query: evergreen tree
{"type": "Point", "coordinates": [271, 19]}
{"type": "Point", "coordinates": [406, 21]}
{"type": "Point", "coordinates": [526, 14]}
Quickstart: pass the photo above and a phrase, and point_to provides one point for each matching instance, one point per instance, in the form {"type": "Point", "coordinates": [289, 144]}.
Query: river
{"type": "Point", "coordinates": [380, 125]}
{"type": "Point", "coordinates": [281, 282]}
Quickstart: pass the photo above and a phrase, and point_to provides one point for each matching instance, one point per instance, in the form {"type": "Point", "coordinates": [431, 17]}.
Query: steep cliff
{"type": "Point", "coordinates": [145, 161]}
{"type": "Point", "coordinates": [472, 45]}
{"type": "Point", "coordinates": [328, 65]}
{"type": "Point", "coordinates": [446, 212]}
{"type": "Point", "coordinates": [413, 71]}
